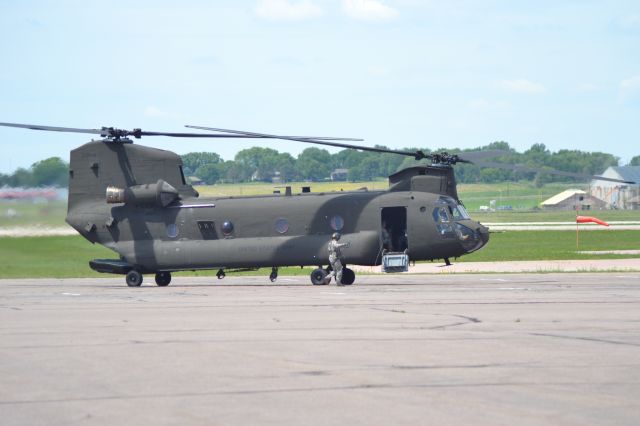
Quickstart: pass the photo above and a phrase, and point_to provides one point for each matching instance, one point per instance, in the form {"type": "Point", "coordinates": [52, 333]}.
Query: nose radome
{"type": "Point", "coordinates": [484, 233]}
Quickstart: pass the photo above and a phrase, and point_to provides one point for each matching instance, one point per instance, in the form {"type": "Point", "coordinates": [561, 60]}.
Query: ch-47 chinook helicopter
{"type": "Point", "coordinates": [135, 200]}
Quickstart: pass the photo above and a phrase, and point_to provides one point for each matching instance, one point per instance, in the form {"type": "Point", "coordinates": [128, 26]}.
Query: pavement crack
{"type": "Point", "coordinates": [588, 339]}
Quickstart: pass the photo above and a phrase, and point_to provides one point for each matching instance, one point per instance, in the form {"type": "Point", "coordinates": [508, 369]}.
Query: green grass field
{"type": "Point", "coordinates": [62, 257]}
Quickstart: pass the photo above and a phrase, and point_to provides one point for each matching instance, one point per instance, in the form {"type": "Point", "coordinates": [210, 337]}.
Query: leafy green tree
{"type": "Point", "coordinates": [263, 162]}
{"type": "Point", "coordinates": [50, 172]}
{"type": "Point", "coordinates": [209, 173]}
{"type": "Point", "coordinates": [21, 178]}
{"type": "Point", "coordinates": [230, 172]}
{"type": "Point", "coordinates": [368, 169]}
{"type": "Point", "coordinates": [286, 165]}
{"type": "Point", "coordinates": [194, 160]}
{"type": "Point", "coordinates": [635, 161]}
{"type": "Point", "coordinates": [314, 164]}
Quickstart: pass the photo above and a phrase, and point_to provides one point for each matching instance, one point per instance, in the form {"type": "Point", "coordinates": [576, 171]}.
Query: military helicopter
{"type": "Point", "coordinates": [135, 200]}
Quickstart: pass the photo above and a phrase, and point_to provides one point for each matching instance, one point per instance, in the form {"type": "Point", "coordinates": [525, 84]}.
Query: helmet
{"type": "Point", "coordinates": [335, 236]}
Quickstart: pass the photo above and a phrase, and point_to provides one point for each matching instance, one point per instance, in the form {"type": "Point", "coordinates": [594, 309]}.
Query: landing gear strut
{"type": "Point", "coordinates": [274, 274]}
{"type": "Point", "coordinates": [134, 278]}
{"type": "Point", "coordinates": [221, 274]}
{"type": "Point", "coordinates": [163, 278]}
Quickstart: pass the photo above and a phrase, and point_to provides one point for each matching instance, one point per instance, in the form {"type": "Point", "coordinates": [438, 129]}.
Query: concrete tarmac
{"type": "Point", "coordinates": [524, 349]}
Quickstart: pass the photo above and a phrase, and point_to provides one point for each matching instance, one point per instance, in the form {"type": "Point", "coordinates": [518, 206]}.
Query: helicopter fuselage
{"type": "Point", "coordinates": [160, 224]}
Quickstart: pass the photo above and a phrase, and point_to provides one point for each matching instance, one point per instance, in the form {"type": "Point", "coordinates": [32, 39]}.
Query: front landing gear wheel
{"type": "Point", "coordinates": [221, 274]}
{"type": "Point", "coordinates": [318, 277]}
{"type": "Point", "coordinates": [274, 274]}
{"type": "Point", "coordinates": [134, 278]}
{"type": "Point", "coordinates": [163, 278]}
{"type": "Point", "coordinates": [348, 276]}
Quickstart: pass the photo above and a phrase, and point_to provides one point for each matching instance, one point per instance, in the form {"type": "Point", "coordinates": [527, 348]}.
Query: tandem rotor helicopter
{"type": "Point", "coordinates": [134, 200]}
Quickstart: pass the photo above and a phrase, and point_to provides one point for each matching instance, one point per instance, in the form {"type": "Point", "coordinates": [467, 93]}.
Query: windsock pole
{"type": "Point", "coordinates": [577, 231]}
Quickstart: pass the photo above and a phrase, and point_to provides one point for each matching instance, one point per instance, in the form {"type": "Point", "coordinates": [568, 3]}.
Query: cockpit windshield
{"type": "Point", "coordinates": [456, 211]}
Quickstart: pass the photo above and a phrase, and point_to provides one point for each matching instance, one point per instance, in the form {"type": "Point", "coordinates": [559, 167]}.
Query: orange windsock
{"type": "Point", "coordinates": [587, 219]}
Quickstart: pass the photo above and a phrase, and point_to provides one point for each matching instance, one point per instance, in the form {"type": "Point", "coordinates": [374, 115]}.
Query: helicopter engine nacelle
{"type": "Point", "coordinates": [159, 194]}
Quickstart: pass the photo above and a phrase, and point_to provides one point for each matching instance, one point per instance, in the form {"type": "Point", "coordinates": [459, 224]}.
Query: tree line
{"type": "Point", "coordinates": [53, 171]}
{"type": "Point", "coordinates": [315, 164]}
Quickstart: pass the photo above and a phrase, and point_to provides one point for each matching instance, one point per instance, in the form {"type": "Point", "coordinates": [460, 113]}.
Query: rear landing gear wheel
{"type": "Point", "coordinates": [163, 278]}
{"type": "Point", "coordinates": [348, 276]}
{"type": "Point", "coordinates": [221, 274]}
{"type": "Point", "coordinates": [274, 274]}
{"type": "Point", "coordinates": [134, 278]}
{"type": "Point", "coordinates": [318, 277]}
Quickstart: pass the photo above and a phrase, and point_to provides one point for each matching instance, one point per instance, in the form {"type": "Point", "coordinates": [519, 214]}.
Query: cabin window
{"type": "Point", "coordinates": [172, 230]}
{"type": "Point", "coordinates": [337, 223]}
{"type": "Point", "coordinates": [227, 228]}
{"type": "Point", "coordinates": [282, 226]}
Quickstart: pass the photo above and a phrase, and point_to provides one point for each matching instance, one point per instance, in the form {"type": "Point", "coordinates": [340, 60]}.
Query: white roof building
{"type": "Point", "coordinates": [572, 199]}
{"type": "Point", "coordinates": [618, 195]}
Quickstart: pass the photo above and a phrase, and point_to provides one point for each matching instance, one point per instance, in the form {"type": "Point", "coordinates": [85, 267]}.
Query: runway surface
{"type": "Point", "coordinates": [410, 349]}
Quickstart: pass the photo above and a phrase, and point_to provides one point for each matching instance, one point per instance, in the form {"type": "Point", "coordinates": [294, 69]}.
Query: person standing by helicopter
{"type": "Point", "coordinates": [335, 258]}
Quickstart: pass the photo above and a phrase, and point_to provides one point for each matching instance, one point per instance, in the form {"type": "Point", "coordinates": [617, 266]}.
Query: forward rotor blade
{"type": "Point", "coordinates": [137, 133]}
{"type": "Point", "coordinates": [213, 135]}
{"type": "Point", "coordinates": [317, 141]}
{"type": "Point", "coordinates": [523, 168]}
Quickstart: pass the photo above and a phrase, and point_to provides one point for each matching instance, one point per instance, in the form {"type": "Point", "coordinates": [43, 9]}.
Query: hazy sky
{"type": "Point", "coordinates": [396, 72]}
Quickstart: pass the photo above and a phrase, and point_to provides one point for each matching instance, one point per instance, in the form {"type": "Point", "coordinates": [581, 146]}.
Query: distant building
{"type": "Point", "coordinates": [195, 180]}
{"type": "Point", "coordinates": [277, 178]}
{"type": "Point", "coordinates": [617, 195]}
{"type": "Point", "coordinates": [573, 199]}
{"type": "Point", "coordinates": [340, 174]}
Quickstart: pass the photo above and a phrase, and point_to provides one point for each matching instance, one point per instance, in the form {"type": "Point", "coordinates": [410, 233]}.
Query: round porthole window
{"type": "Point", "coordinates": [337, 223]}
{"type": "Point", "coordinates": [227, 228]}
{"type": "Point", "coordinates": [282, 226]}
{"type": "Point", "coordinates": [172, 230]}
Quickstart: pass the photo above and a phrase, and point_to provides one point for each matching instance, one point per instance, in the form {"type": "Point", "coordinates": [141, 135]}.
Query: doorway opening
{"type": "Point", "coordinates": [393, 229]}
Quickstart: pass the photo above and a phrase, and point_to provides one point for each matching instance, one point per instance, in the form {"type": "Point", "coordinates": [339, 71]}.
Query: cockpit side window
{"type": "Point", "coordinates": [184, 182]}
{"type": "Point", "coordinates": [440, 215]}
{"type": "Point", "coordinates": [455, 211]}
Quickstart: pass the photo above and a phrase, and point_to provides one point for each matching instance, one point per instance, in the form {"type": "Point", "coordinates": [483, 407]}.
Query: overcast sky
{"type": "Point", "coordinates": [396, 72]}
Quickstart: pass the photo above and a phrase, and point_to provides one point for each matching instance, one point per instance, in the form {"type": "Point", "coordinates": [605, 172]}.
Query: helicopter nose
{"type": "Point", "coordinates": [471, 235]}
{"type": "Point", "coordinates": [484, 234]}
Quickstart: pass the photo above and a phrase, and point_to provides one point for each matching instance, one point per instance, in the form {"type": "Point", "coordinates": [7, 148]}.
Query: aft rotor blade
{"type": "Point", "coordinates": [523, 168]}
{"type": "Point", "coordinates": [479, 155]}
{"type": "Point", "coordinates": [317, 141]}
{"type": "Point", "coordinates": [52, 128]}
